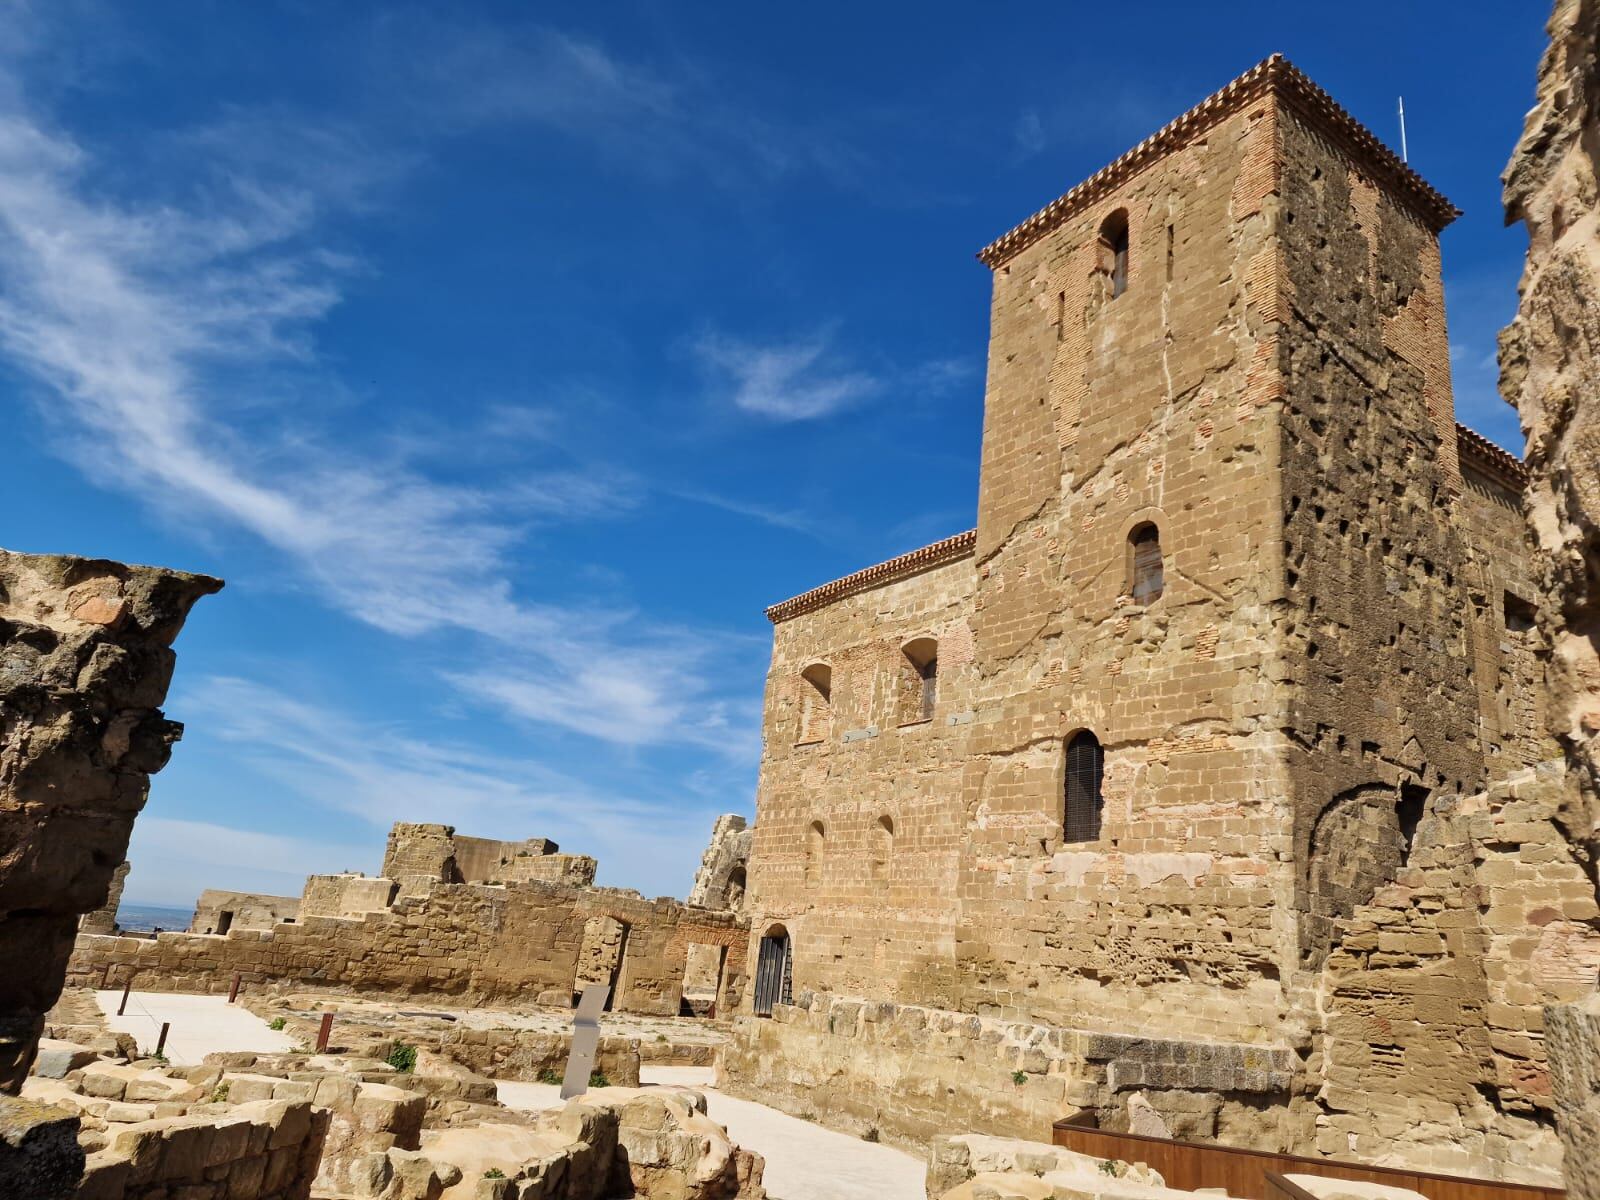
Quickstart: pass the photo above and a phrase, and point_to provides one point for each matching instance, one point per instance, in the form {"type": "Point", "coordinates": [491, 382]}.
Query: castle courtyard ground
{"type": "Point", "coordinates": [792, 1147]}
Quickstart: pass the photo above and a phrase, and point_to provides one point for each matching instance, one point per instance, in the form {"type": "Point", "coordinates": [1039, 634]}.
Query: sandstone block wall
{"type": "Point", "coordinates": [104, 918]}
{"type": "Point", "coordinates": [471, 940]}
{"type": "Point", "coordinates": [420, 854]}
{"type": "Point", "coordinates": [721, 880]}
{"type": "Point", "coordinates": [346, 895]}
{"type": "Point", "coordinates": [85, 660]}
{"type": "Point", "coordinates": [1309, 711]}
{"type": "Point", "coordinates": [266, 1150]}
{"type": "Point", "coordinates": [244, 910]}
{"type": "Point", "coordinates": [1548, 370]}
{"type": "Point", "coordinates": [908, 1074]}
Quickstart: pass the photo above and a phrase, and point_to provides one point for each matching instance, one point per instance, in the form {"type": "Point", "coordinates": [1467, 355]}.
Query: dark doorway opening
{"type": "Point", "coordinates": [773, 978]}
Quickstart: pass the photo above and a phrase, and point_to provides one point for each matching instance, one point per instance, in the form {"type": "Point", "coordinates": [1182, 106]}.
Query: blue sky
{"type": "Point", "coordinates": [508, 359]}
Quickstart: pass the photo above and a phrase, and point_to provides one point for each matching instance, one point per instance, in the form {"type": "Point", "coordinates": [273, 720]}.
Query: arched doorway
{"type": "Point", "coordinates": [773, 978]}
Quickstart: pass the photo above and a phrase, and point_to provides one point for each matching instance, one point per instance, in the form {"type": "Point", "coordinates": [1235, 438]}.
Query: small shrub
{"type": "Point", "coordinates": [219, 1093]}
{"type": "Point", "coordinates": [548, 1075]}
{"type": "Point", "coordinates": [402, 1057]}
{"type": "Point", "coordinates": [1019, 1077]}
{"type": "Point", "coordinates": [494, 1173]}
{"type": "Point", "coordinates": [1110, 1166]}
{"type": "Point", "coordinates": [277, 1023]}
{"type": "Point", "coordinates": [871, 1135]}
{"type": "Point", "coordinates": [598, 1079]}
{"type": "Point", "coordinates": [661, 1037]}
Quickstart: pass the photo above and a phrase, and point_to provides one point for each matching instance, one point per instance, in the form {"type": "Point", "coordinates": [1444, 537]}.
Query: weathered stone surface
{"type": "Point", "coordinates": [478, 940]}
{"type": "Point", "coordinates": [956, 1159]}
{"type": "Point", "coordinates": [670, 1150]}
{"type": "Point", "coordinates": [720, 880]}
{"type": "Point", "coordinates": [1232, 547]}
{"type": "Point", "coordinates": [39, 1153]}
{"type": "Point", "coordinates": [1572, 1033]}
{"type": "Point", "coordinates": [1550, 369]}
{"type": "Point", "coordinates": [85, 659]}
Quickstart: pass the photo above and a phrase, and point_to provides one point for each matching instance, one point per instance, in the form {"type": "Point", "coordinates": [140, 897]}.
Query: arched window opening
{"type": "Point", "coordinates": [816, 702]}
{"type": "Point", "coordinates": [1086, 767]}
{"type": "Point", "coordinates": [1146, 576]}
{"type": "Point", "coordinates": [882, 846]}
{"type": "Point", "coordinates": [1114, 251]}
{"type": "Point", "coordinates": [919, 672]}
{"type": "Point", "coordinates": [816, 839]}
{"type": "Point", "coordinates": [733, 896]}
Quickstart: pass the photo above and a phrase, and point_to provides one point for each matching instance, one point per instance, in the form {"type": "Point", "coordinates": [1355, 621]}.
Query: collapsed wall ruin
{"type": "Point", "coordinates": [1550, 370]}
{"type": "Point", "coordinates": [471, 917]}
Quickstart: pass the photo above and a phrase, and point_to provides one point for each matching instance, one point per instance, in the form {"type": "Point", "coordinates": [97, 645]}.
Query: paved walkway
{"type": "Point", "coordinates": [200, 1025]}
{"type": "Point", "coordinates": [804, 1160]}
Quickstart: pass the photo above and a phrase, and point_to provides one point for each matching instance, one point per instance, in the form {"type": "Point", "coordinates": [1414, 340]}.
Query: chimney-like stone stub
{"type": "Point", "coordinates": [85, 661]}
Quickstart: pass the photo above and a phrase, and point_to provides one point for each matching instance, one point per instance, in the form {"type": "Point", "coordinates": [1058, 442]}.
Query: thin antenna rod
{"type": "Point", "coordinates": [1404, 157]}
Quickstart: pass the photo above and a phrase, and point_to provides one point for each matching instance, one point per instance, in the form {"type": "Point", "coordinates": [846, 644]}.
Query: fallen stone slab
{"type": "Point", "coordinates": [56, 1058]}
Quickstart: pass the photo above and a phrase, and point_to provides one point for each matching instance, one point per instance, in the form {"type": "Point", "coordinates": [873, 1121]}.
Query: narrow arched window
{"type": "Point", "coordinates": [816, 839]}
{"type": "Point", "coordinates": [816, 702]}
{"type": "Point", "coordinates": [882, 846]}
{"type": "Point", "coordinates": [1114, 251]}
{"type": "Point", "coordinates": [920, 675]}
{"type": "Point", "coordinates": [1086, 765]}
{"type": "Point", "coordinates": [1145, 573]}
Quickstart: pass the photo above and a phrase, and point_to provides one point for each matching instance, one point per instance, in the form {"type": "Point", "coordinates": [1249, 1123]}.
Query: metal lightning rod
{"type": "Point", "coordinates": [1404, 157]}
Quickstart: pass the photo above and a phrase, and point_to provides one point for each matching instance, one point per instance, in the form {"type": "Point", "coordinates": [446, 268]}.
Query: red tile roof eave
{"type": "Point", "coordinates": [1473, 446]}
{"type": "Point", "coordinates": [1273, 74]}
{"type": "Point", "coordinates": [950, 549]}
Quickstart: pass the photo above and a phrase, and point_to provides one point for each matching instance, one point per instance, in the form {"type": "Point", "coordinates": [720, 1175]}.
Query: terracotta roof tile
{"type": "Point", "coordinates": [1275, 74]}
{"type": "Point", "coordinates": [949, 550]}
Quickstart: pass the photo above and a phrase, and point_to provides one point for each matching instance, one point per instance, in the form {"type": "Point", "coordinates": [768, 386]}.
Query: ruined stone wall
{"type": "Point", "coordinates": [907, 1074]}
{"type": "Point", "coordinates": [475, 941]}
{"type": "Point", "coordinates": [1103, 413]}
{"type": "Point", "coordinates": [1502, 592]}
{"type": "Point", "coordinates": [265, 1150]}
{"type": "Point", "coordinates": [1431, 1051]}
{"type": "Point", "coordinates": [104, 918]}
{"type": "Point", "coordinates": [1548, 369]}
{"type": "Point", "coordinates": [856, 848]}
{"type": "Point", "coordinates": [1379, 649]}
{"type": "Point", "coordinates": [245, 910]}
{"type": "Point", "coordinates": [723, 875]}
{"type": "Point", "coordinates": [346, 895]}
{"type": "Point", "coordinates": [85, 660]}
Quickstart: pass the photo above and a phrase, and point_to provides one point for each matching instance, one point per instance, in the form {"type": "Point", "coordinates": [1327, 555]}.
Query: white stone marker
{"type": "Point", "coordinates": [585, 1037]}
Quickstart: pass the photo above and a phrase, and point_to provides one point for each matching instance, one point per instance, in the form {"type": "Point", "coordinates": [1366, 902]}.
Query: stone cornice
{"type": "Point", "coordinates": [949, 550]}
{"type": "Point", "coordinates": [1276, 75]}
{"type": "Point", "coordinates": [1485, 456]}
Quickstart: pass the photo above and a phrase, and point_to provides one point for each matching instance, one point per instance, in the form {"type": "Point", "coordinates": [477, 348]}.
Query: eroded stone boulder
{"type": "Point", "coordinates": [85, 660]}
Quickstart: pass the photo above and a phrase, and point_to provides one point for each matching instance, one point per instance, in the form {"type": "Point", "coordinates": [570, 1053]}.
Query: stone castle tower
{"type": "Point", "coordinates": [1244, 610]}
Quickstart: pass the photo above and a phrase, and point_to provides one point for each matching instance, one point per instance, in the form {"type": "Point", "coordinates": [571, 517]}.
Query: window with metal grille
{"type": "Point", "coordinates": [1086, 764]}
{"type": "Point", "coordinates": [1145, 579]}
{"type": "Point", "coordinates": [1114, 251]}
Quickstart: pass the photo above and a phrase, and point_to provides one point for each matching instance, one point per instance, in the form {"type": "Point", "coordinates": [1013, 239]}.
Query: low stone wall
{"type": "Point", "coordinates": [267, 1150]}
{"type": "Point", "coordinates": [480, 942]}
{"type": "Point", "coordinates": [908, 1074]}
{"type": "Point", "coordinates": [525, 1054]}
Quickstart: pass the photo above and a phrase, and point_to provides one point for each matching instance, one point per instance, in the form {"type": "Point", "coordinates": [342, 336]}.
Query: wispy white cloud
{"type": "Point", "coordinates": [136, 320]}
{"type": "Point", "coordinates": [174, 860]}
{"type": "Point", "coordinates": [786, 381]}
{"type": "Point", "coordinates": [381, 773]}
